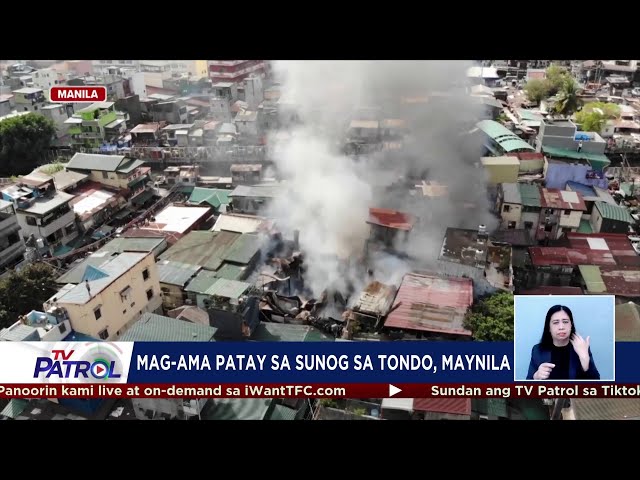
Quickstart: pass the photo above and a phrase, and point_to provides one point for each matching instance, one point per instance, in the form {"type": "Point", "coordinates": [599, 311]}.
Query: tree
{"type": "Point", "coordinates": [24, 291]}
{"type": "Point", "coordinates": [594, 115]}
{"type": "Point", "coordinates": [24, 142]}
{"type": "Point", "coordinates": [536, 90]}
{"type": "Point", "coordinates": [556, 78]}
{"type": "Point", "coordinates": [491, 319]}
{"type": "Point", "coordinates": [567, 98]}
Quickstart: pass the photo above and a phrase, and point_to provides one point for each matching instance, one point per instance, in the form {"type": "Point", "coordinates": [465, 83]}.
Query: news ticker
{"type": "Point", "coordinates": [334, 390]}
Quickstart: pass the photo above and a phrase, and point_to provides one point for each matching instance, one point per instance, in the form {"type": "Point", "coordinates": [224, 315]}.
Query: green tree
{"type": "Point", "coordinates": [556, 78]}
{"type": "Point", "coordinates": [567, 98]}
{"type": "Point", "coordinates": [24, 291]}
{"type": "Point", "coordinates": [537, 90]}
{"type": "Point", "coordinates": [24, 141]}
{"type": "Point", "coordinates": [491, 319]}
{"type": "Point", "coordinates": [594, 115]}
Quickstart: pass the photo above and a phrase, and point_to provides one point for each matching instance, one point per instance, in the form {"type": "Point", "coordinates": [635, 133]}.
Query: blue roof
{"type": "Point", "coordinates": [79, 337]}
{"type": "Point", "coordinates": [582, 189]}
{"type": "Point", "coordinates": [93, 273]}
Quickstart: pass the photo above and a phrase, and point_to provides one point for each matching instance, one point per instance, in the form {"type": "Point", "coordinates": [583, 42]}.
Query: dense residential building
{"type": "Point", "coordinates": [234, 71]}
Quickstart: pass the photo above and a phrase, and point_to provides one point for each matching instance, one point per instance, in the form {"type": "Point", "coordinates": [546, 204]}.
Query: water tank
{"type": "Point", "coordinates": [40, 243]}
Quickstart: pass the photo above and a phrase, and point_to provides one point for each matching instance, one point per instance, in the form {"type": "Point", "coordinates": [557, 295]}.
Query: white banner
{"type": "Point", "coordinates": [65, 362]}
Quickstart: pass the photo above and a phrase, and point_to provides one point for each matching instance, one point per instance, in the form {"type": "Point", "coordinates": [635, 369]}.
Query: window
{"type": "Point", "coordinates": [528, 225]}
{"type": "Point", "coordinates": [104, 334]}
{"type": "Point", "coordinates": [506, 208]}
{"type": "Point", "coordinates": [145, 274]}
{"type": "Point", "coordinates": [105, 175]}
{"type": "Point", "coordinates": [62, 328]}
{"type": "Point", "coordinates": [97, 313]}
{"type": "Point", "coordinates": [511, 225]}
{"type": "Point", "coordinates": [150, 294]}
{"type": "Point", "coordinates": [567, 212]}
{"type": "Point", "coordinates": [548, 211]}
{"type": "Point", "coordinates": [31, 221]}
{"type": "Point", "coordinates": [548, 228]}
{"type": "Point", "coordinates": [69, 229]}
{"type": "Point", "coordinates": [125, 292]}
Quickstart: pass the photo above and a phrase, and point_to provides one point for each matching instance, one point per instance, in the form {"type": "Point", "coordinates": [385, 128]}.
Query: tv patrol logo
{"type": "Point", "coordinates": [98, 362]}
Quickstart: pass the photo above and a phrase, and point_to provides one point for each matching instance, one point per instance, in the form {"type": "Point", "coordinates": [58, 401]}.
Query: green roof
{"type": "Point", "coordinates": [14, 408]}
{"type": "Point", "coordinates": [228, 288]}
{"type": "Point", "coordinates": [530, 195]}
{"type": "Point", "coordinates": [614, 212]}
{"type": "Point", "coordinates": [628, 322]}
{"type": "Point", "coordinates": [237, 409]}
{"type": "Point", "coordinates": [626, 188]}
{"type": "Point", "coordinates": [281, 332]}
{"type": "Point", "coordinates": [211, 249]}
{"type": "Point", "coordinates": [504, 137]}
{"type": "Point", "coordinates": [175, 273]}
{"type": "Point", "coordinates": [130, 166]}
{"type": "Point", "coordinates": [231, 272]}
{"type": "Point", "coordinates": [592, 278]}
{"type": "Point", "coordinates": [596, 160]}
{"type": "Point", "coordinates": [157, 328]}
{"type": "Point", "coordinates": [213, 196]}
{"type": "Point", "coordinates": [202, 281]}
{"type": "Point", "coordinates": [491, 406]}
{"type": "Point", "coordinates": [529, 115]}
{"type": "Point", "coordinates": [282, 412]}
{"type": "Point", "coordinates": [585, 226]}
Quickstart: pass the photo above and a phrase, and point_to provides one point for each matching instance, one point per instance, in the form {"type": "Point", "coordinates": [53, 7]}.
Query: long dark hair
{"type": "Point", "coordinates": [546, 342]}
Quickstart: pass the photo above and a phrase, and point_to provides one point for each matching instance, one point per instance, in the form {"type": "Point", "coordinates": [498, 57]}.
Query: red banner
{"type": "Point", "coordinates": [78, 94]}
{"type": "Point", "coordinates": [358, 391]}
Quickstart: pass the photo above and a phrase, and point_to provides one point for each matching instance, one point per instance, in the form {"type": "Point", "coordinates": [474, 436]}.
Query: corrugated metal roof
{"type": "Point", "coordinates": [207, 249]}
{"type": "Point", "coordinates": [130, 165]}
{"type": "Point", "coordinates": [244, 249]}
{"type": "Point", "coordinates": [115, 268]}
{"type": "Point", "coordinates": [561, 199]}
{"type": "Point", "coordinates": [284, 332]}
{"type": "Point", "coordinates": [628, 322]}
{"type": "Point", "coordinates": [158, 328]}
{"type": "Point", "coordinates": [175, 273]}
{"type": "Point", "coordinates": [530, 195]}
{"type": "Point", "coordinates": [93, 273]}
{"type": "Point", "coordinates": [504, 137]}
{"type": "Point", "coordinates": [91, 161]}
{"type": "Point", "coordinates": [614, 212]}
{"type": "Point", "coordinates": [511, 193]}
{"type": "Point", "coordinates": [237, 409]}
{"type": "Point", "coordinates": [14, 408]}
{"type": "Point", "coordinates": [240, 223]}
{"type": "Point", "coordinates": [213, 196]}
{"type": "Point", "coordinates": [228, 288]}
{"type": "Point", "coordinates": [282, 412]}
{"type": "Point", "coordinates": [19, 333]}
{"type": "Point", "coordinates": [430, 303]}
{"type": "Point", "coordinates": [202, 281]}
{"type": "Point", "coordinates": [606, 408]}
{"type": "Point", "coordinates": [592, 278]}
{"type": "Point", "coordinates": [391, 218]}
{"type": "Point", "coordinates": [597, 160]}
{"type": "Point", "coordinates": [458, 406]}
{"type": "Point", "coordinates": [258, 191]}
{"type": "Point", "coordinates": [621, 280]}
{"type": "Point", "coordinates": [376, 299]}
{"type": "Point", "coordinates": [231, 272]}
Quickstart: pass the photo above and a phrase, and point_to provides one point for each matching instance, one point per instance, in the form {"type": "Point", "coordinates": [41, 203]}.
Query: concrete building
{"type": "Point", "coordinates": [6, 104]}
{"type": "Point", "coordinates": [113, 295]}
{"type": "Point", "coordinates": [560, 213]}
{"type": "Point", "coordinates": [45, 78]}
{"type": "Point", "coordinates": [253, 91]}
{"type": "Point", "coordinates": [42, 211]}
{"type": "Point", "coordinates": [59, 115]}
{"type": "Point", "coordinates": [29, 99]}
{"type": "Point", "coordinates": [50, 326]}
{"type": "Point", "coordinates": [234, 71]}
{"type": "Point", "coordinates": [174, 276]}
{"type": "Point", "coordinates": [12, 245]}
{"type": "Point", "coordinates": [87, 125]}
{"type": "Point", "coordinates": [509, 205]}
{"type": "Point", "coordinates": [103, 66]}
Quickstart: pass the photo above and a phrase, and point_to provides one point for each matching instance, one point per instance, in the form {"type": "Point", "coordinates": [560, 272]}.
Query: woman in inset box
{"type": "Point", "coordinates": [562, 354]}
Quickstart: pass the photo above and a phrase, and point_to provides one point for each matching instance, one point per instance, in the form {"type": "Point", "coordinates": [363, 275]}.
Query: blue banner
{"type": "Point", "coordinates": [344, 362]}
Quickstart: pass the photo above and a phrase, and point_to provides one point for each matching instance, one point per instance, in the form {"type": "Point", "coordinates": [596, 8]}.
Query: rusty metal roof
{"type": "Point", "coordinates": [541, 256]}
{"type": "Point", "coordinates": [606, 408]}
{"type": "Point", "coordinates": [376, 299]}
{"type": "Point", "coordinates": [431, 303]}
{"type": "Point", "coordinates": [391, 218]}
{"type": "Point", "coordinates": [459, 406]}
{"type": "Point", "coordinates": [561, 199]}
{"type": "Point", "coordinates": [624, 281]}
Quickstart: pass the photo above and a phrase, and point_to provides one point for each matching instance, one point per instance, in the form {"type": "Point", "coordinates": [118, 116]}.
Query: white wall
{"type": "Point", "coordinates": [570, 221]}
{"type": "Point", "coordinates": [513, 215]}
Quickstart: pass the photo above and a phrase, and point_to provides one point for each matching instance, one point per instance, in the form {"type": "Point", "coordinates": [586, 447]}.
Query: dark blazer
{"type": "Point", "coordinates": [540, 356]}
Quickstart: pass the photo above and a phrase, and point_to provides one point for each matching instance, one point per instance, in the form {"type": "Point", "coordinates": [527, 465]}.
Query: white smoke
{"type": "Point", "coordinates": [329, 194]}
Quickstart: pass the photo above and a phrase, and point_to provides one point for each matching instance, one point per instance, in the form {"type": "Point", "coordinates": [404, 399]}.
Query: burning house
{"type": "Point", "coordinates": [371, 308]}
{"type": "Point", "coordinates": [389, 228]}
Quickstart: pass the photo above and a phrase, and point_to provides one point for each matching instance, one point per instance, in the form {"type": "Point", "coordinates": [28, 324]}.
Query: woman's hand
{"type": "Point", "coordinates": [543, 372]}
{"type": "Point", "coordinates": [581, 347]}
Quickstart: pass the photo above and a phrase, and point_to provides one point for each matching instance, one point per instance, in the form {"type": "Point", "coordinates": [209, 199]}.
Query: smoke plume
{"type": "Point", "coordinates": [329, 193]}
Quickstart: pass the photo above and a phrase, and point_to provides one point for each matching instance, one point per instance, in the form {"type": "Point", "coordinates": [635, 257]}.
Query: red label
{"type": "Point", "coordinates": [78, 94]}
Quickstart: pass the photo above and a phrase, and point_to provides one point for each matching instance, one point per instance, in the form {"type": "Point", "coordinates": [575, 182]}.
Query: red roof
{"type": "Point", "coordinates": [624, 281]}
{"type": "Point", "coordinates": [391, 218]}
{"type": "Point", "coordinates": [459, 406]}
{"type": "Point", "coordinates": [431, 303]}
{"type": "Point", "coordinates": [570, 256]}
{"type": "Point", "coordinates": [616, 244]}
{"type": "Point", "coordinates": [549, 256]}
{"type": "Point", "coordinates": [561, 199]}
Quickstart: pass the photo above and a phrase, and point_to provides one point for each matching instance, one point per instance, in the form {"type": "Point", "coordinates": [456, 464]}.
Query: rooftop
{"type": "Point", "coordinates": [614, 212]}
{"type": "Point", "coordinates": [561, 199]}
{"type": "Point", "coordinates": [240, 223]}
{"type": "Point", "coordinates": [91, 161]}
{"type": "Point", "coordinates": [391, 219]}
{"type": "Point", "coordinates": [110, 249]}
{"type": "Point", "coordinates": [258, 191]}
{"type": "Point", "coordinates": [28, 90]}
{"type": "Point", "coordinates": [432, 303]}
{"type": "Point", "coordinates": [202, 281]}
{"type": "Point", "coordinates": [95, 106]}
{"type": "Point", "coordinates": [463, 246]}
{"type": "Point", "coordinates": [211, 250]}
{"type": "Point", "coordinates": [91, 198]}
{"type": "Point", "coordinates": [43, 205]}
{"type": "Point", "coordinates": [504, 137]}
{"type": "Point", "coordinates": [145, 128]}
{"type": "Point", "coordinates": [375, 299]}
{"type": "Point", "coordinates": [283, 332]}
{"type": "Point", "coordinates": [175, 273]}
{"type": "Point", "coordinates": [511, 193]}
{"type": "Point", "coordinates": [596, 160]}
{"type": "Point", "coordinates": [113, 268]}
{"type": "Point", "coordinates": [65, 179]}
{"type": "Point", "coordinates": [158, 328]}
{"type": "Point", "coordinates": [211, 196]}
{"type": "Point", "coordinates": [628, 322]}
{"type": "Point", "coordinates": [177, 219]}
